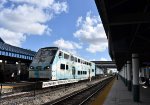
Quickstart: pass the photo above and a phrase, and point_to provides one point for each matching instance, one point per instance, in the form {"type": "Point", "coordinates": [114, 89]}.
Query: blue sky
{"type": "Point", "coordinates": [73, 25]}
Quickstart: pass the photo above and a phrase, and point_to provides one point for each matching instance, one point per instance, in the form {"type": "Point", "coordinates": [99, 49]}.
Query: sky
{"type": "Point", "coordinates": [73, 25]}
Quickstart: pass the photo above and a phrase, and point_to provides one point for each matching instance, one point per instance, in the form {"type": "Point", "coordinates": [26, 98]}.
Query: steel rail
{"type": "Point", "coordinates": [70, 97]}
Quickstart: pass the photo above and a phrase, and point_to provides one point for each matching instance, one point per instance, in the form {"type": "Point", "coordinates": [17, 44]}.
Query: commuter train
{"type": "Point", "coordinates": [53, 63]}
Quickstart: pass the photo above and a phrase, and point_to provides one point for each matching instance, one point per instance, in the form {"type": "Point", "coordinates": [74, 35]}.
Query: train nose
{"type": "Point", "coordinates": [39, 68]}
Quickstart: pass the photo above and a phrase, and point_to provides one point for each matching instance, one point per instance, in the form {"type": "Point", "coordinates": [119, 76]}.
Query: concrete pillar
{"type": "Point", "coordinates": [135, 69]}
{"type": "Point", "coordinates": [129, 75]}
{"type": "Point", "coordinates": [147, 76]}
{"type": "Point", "coordinates": [126, 74]}
{"type": "Point", "coordinates": [123, 74]}
{"type": "Point", "coordinates": [3, 65]}
{"type": "Point", "coordinates": [19, 71]}
{"type": "Point", "coordinates": [2, 71]}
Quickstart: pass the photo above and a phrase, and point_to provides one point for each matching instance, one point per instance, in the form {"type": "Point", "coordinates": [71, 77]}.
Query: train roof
{"type": "Point", "coordinates": [49, 48]}
{"type": "Point", "coordinates": [67, 52]}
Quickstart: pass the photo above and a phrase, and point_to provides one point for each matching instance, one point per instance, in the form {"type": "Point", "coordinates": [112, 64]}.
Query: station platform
{"type": "Point", "coordinates": [15, 87]}
{"type": "Point", "coordinates": [14, 84]}
{"type": "Point", "coordinates": [119, 95]}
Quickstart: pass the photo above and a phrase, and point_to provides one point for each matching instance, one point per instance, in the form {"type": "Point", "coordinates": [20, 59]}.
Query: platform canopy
{"type": "Point", "coordinates": [10, 52]}
{"type": "Point", "coordinates": [127, 26]}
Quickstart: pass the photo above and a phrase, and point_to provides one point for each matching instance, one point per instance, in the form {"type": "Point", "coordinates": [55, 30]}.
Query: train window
{"type": "Point", "coordinates": [62, 66]}
{"type": "Point", "coordinates": [81, 72]}
{"type": "Point", "coordinates": [66, 56]}
{"type": "Point", "coordinates": [78, 72]}
{"type": "Point", "coordinates": [72, 58]}
{"type": "Point", "coordinates": [86, 63]}
{"type": "Point", "coordinates": [75, 59]}
{"type": "Point", "coordinates": [85, 72]}
{"type": "Point", "coordinates": [60, 54]}
{"type": "Point", "coordinates": [92, 70]}
{"type": "Point", "coordinates": [82, 61]}
{"type": "Point", "coordinates": [79, 60]}
{"type": "Point", "coordinates": [66, 67]}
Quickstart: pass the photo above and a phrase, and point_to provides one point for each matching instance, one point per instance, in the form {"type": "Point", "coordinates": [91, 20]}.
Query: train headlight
{"type": "Point", "coordinates": [47, 67]}
{"type": "Point", "coordinates": [31, 67]}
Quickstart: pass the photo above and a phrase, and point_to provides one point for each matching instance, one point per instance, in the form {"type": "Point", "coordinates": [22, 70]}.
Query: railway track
{"type": "Point", "coordinates": [34, 95]}
{"type": "Point", "coordinates": [81, 97]}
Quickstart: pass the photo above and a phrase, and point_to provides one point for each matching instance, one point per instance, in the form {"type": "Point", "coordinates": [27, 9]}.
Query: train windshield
{"type": "Point", "coordinates": [45, 56]}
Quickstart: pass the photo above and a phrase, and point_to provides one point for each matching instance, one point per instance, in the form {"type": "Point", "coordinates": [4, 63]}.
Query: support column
{"type": "Point", "coordinates": [147, 76]}
{"type": "Point", "coordinates": [3, 65]}
{"type": "Point", "coordinates": [129, 75]}
{"type": "Point", "coordinates": [2, 70]}
{"type": "Point", "coordinates": [135, 69]}
{"type": "Point", "coordinates": [126, 74]}
{"type": "Point", "coordinates": [19, 71]}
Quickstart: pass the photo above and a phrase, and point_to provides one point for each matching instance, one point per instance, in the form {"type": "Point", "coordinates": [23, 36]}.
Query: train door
{"type": "Point", "coordinates": [89, 75]}
{"type": "Point", "coordinates": [73, 72]}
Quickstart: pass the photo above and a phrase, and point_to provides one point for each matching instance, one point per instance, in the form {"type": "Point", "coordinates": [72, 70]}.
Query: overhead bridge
{"type": "Point", "coordinates": [105, 64]}
{"type": "Point", "coordinates": [9, 52]}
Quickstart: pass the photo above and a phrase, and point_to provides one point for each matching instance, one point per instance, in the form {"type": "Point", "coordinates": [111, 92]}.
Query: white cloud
{"type": "Point", "coordinates": [67, 45]}
{"type": "Point", "coordinates": [12, 37]}
{"type": "Point", "coordinates": [60, 7]}
{"type": "Point", "coordinates": [28, 17]}
{"type": "Point", "coordinates": [103, 59]}
{"type": "Point", "coordinates": [38, 3]}
{"type": "Point", "coordinates": [90, 31]}
{"type": "Point", "coordinates": [96, 47]}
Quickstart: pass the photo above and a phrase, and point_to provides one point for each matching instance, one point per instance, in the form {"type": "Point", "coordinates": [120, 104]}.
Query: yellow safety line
{"type": "Point", "coordinates": [99, 100]}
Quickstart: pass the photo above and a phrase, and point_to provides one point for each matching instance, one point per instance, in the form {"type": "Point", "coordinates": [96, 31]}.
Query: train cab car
{"type": "Point", "coordinates": [41, 66]}
{"type": "Point", "coordinates": [53, 63]}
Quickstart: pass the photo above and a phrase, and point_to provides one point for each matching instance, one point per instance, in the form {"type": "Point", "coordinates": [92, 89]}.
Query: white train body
{"type": "Point", "coordinates": [52, 63]}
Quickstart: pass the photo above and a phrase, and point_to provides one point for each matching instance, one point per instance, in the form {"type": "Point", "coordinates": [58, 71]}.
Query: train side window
{"type": "Point", "coordinates": [90, 64]}
{"type": "Point", "coordinates": [92, 70]}
{"type": "Point", "coordinates": [66, 67]}
{"type": "Point", "coordinates": [78, 60]}
{"type": "Point", "coordinates": [62, 66]}
{"type": "Point", "coordinates": [78, 72]}
{"type": "Point", "coordinates": [75, 59]}
{"type": "Point", "coordinates": [85, 72]}
{"type": "Point", "coordinates": [86, 63]}
{"type": "Point", "coordinates": [72, 58]}
{"type": "Point", "coordinates": [66, 56]}
{"type": "Point", "coordinates": [60, 54]}
{"type": "Point", "coordinates": [81, 72]}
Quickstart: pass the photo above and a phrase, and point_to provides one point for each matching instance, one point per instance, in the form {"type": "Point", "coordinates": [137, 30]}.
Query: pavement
{"type": "Point", "coordinates": [119, 95]}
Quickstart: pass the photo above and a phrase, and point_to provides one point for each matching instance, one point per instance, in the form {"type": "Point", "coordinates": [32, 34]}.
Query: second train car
{"type": "Point", "coordinates": [53, 63]}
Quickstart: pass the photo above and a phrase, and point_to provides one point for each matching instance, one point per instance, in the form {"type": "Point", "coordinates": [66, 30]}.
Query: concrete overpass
{"type": "Point", "coordinates": [105, 65]}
